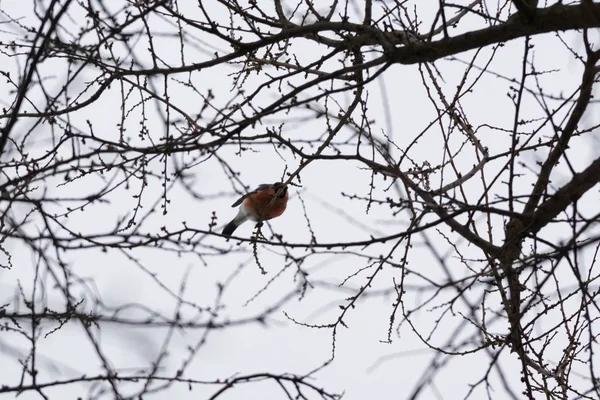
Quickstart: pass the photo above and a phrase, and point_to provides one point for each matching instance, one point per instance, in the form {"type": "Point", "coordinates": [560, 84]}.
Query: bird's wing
{"type": "Point", "coordinates": [262, 186]}
{"type": "Point", "coordinates": [239, 201]}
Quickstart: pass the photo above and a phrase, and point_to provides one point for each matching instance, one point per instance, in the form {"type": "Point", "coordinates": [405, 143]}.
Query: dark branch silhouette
{"type": "Point", "coordinates": [471, 219]}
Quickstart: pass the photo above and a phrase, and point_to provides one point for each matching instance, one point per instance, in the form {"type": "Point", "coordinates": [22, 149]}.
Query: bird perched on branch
{"type": "Point", "coordinates": [267, 201]}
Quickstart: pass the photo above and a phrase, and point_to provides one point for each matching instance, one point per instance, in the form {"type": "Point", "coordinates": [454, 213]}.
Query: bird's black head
{"type": "Point", "coordinates": [277, 186]}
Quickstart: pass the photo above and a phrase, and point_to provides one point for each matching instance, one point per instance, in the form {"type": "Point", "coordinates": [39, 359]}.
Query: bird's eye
{"type": "Point", "coordinates": [283, 192]}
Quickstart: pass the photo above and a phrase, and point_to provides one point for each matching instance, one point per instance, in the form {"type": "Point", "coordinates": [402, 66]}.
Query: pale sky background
{"type": "Point", "coordinates": [364, 367]}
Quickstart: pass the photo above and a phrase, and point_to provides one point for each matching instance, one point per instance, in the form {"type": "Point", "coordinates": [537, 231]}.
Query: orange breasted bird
{"type": "Point", "coordinates": [267, 201]}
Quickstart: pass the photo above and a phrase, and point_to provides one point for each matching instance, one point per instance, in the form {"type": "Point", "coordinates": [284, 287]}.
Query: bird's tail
{"type": "Point", "coordinates": [230, 227]}
{"type": "Point", "coordinates": [239, 219]}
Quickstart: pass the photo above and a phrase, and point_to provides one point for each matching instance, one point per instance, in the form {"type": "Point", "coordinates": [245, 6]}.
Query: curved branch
{"type": "Point", "coordinates": [551, 19]}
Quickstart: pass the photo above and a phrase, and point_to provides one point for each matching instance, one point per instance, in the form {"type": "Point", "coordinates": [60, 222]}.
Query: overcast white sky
{"type": "Point", "coordinates": [364, 366]}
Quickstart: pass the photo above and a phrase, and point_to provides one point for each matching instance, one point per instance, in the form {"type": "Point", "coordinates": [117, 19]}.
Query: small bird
{"type": "Point", "coordinates": [267, 201]}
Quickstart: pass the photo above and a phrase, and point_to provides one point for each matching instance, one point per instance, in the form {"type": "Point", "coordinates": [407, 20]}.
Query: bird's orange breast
{"type": "Point", "coordinates": [266, 205]}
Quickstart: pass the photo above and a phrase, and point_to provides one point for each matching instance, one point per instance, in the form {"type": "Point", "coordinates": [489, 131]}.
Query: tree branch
{"type": "Point", "coordinates": [551, 19]}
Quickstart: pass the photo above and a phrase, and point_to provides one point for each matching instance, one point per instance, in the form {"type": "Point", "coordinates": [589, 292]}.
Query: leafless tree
{"type": "Point", "coordinates": [115, 114]}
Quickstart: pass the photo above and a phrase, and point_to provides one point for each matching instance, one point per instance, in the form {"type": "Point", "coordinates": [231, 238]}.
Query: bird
{"type": "Point", "coordinates": [267, 201]}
